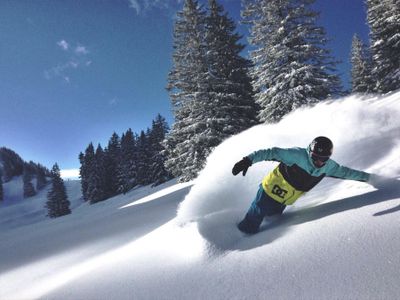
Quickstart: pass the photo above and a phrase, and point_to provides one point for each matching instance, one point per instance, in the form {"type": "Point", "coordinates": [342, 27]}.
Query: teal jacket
{"type": "Point", "coordinates": [297, 174]}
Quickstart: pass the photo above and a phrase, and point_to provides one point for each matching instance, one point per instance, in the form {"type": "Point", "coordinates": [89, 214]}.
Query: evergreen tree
{"type": "Point", "coordinates": [210, 89]}
{"type": "Point", "coordinates": [41, 180]}
{"type": "Point", "coordinates": [144, 153]}
{"type": "Point", "coordinates": [127, 170]}
{"type": "Point", "coordinates": [7, 171]}
{"type": "Point", "coordinates": [28, 188]}
{"type": "Point", "coordinates": [141, 162]}
{"type": "Point", "coordinates": [384, 21]}
{"type": "Point", "coordinates": [292, 65]}
{"type": "Point", "coordinates": [57, 201]}
{"type": "Point", "coordinates": [111, 163]}
{"type": "Point", "coordinates": [157, 171]}
{"type": "Point", "coordinates": [86, 170]}
{"type": "Point", "coordinates": [361, 79]}
{"type": "Point", "coordinates": [232, 108]}
{"type": "Point", "coordinates": [96, 183]}
{"type": "Point", "coordinates": [187, 85]}
{"type": "Point", "coordinates": [13, 165]}
{"type": "Point", "coordinates": [122, 167]}
{"type": "Point", "coordinates": [82, 175]}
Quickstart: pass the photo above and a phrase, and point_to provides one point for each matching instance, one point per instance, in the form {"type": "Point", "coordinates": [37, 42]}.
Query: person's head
{"type": "Point", "coordinates": [320, 150]}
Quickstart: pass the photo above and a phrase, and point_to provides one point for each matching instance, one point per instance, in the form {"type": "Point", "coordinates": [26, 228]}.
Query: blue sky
{"type": "Point", "coordinates": [73, 72]}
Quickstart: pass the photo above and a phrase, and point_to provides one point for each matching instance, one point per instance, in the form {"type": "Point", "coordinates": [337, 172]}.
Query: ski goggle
{"type": "Point", "coordinates": [319, 158]}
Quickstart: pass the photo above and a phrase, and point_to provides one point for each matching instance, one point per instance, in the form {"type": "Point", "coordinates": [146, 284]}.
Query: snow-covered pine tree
{"type": "Point", "coordinates": [111, 162]}
{"type": "Point", "coordinates": [96, 186]}
{"type": "Point", "coordinates": [57, 200]}
{"type": "Point", "coordinates": [384, 21]}
{"type": "Point", "coordinates": [292, 65]}
{"type": "Point", "coordinates": [210, 89]}
{"type": "Point", "coordinates": [361, 78]}
{"type": "Point", "coordinates": [29, 190]}
{"type": "Point", "coordinates": [157, 171]}
{"type": "Point", "coordinates": [232, 108]}
{"type": "Point", "coordinates": [187, 86]}
{"type": "Point", "coordinates": [127, 173]}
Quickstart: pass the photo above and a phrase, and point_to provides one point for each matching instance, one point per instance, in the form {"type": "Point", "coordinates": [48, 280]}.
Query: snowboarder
{"type": "Point", "coordinates": [299, 171]}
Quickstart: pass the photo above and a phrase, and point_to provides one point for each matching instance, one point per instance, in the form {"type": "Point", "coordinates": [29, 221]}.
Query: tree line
{"type": "Point", "coordinates": [215, 92]}
{"type": "Point", "coordinates": [128, 161]}
{"type": "Point", "coordinates": [34, 175]}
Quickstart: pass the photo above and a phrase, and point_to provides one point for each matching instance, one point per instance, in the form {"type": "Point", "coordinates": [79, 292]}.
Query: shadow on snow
{"type": "Point", "coordinates": [226, 236]}
{"type": "Point", "coordinates": [94, 234]}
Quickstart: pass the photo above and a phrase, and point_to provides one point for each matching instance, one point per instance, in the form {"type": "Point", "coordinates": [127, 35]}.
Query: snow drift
{"type": "Point", "coordinates": [366, 135]}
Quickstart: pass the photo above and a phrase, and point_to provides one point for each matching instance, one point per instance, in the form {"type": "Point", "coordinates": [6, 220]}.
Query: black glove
{"type": "Point", "coordinates": [242, 165]}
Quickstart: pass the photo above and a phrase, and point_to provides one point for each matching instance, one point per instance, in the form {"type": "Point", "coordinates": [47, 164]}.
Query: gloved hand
{"type": "Point", "coordinates": [242, 165]}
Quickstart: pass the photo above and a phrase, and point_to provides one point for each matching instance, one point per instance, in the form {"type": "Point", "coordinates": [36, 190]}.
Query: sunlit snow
{"type": "Point", "coordinates": [180, 241]}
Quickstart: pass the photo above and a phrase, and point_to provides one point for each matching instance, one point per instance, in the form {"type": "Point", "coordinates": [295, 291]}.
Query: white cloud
{"type": "Point", "coordinates": [60, 70]}
{"type": "Point", "coordinates": [63, 44]}
{"type": "Point", "coordinates": [78, 59]}
{"type": "Point", "coordinates": [145, 5]}
{"type": "Point", "coordinates": [135, 5]}
{"type": "Point", "coordinates": [81, 50]}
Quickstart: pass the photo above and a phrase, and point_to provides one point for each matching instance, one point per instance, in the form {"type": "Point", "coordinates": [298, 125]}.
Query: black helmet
{"type": "Point", "coordinates": [320, 150]}
{"type": "Point", "coordinates": [321, 146]}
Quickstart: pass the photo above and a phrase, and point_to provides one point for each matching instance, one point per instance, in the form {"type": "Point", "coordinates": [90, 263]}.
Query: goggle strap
{"type": "Point", "coordinates": [319, 155]}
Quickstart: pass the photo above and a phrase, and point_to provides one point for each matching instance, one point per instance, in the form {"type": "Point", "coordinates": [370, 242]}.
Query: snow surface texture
{"type": "Point", "coordinates": [339, 241]}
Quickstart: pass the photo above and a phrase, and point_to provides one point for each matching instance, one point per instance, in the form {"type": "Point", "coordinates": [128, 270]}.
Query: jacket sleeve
{"type": "Point", "coordinates": [338, 171]}
{"type": "Point", "coordinates": [274, 154]}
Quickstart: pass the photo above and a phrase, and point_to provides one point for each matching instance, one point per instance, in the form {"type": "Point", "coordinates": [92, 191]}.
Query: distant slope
{"type": "Point", "coordinates": [16, 211]}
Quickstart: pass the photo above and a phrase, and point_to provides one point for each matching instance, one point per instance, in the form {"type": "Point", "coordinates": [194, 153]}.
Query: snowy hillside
{"type": "Point", "coordinates": [16, 211]}
{"type": "Point", "coordinates": [179, 241]}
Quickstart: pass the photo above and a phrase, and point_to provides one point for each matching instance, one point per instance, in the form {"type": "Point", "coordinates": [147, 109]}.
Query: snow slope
{"type": "Point", "coordinates": [16, 211]}
{"type": "Point", "coordinates": [179, 241]}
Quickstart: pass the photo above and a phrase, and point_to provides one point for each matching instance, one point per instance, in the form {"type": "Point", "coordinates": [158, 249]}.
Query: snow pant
{"type": "Point", "coordinates": [262, 206]}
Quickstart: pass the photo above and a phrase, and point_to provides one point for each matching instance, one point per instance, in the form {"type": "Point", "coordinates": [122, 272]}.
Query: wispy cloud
{"type": "Point", "coordinates": [135, 5]}
{"type": "Point", "coordinates": [61, 70]}
{"type": "Point", "coordinates": [77, 59]}
{"type": "Point", "coordinates": [63, 45]}
{"type": "Point", "coordinates": [142, 6]}
{"type": "Point", "coordinates": [81, 50]}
